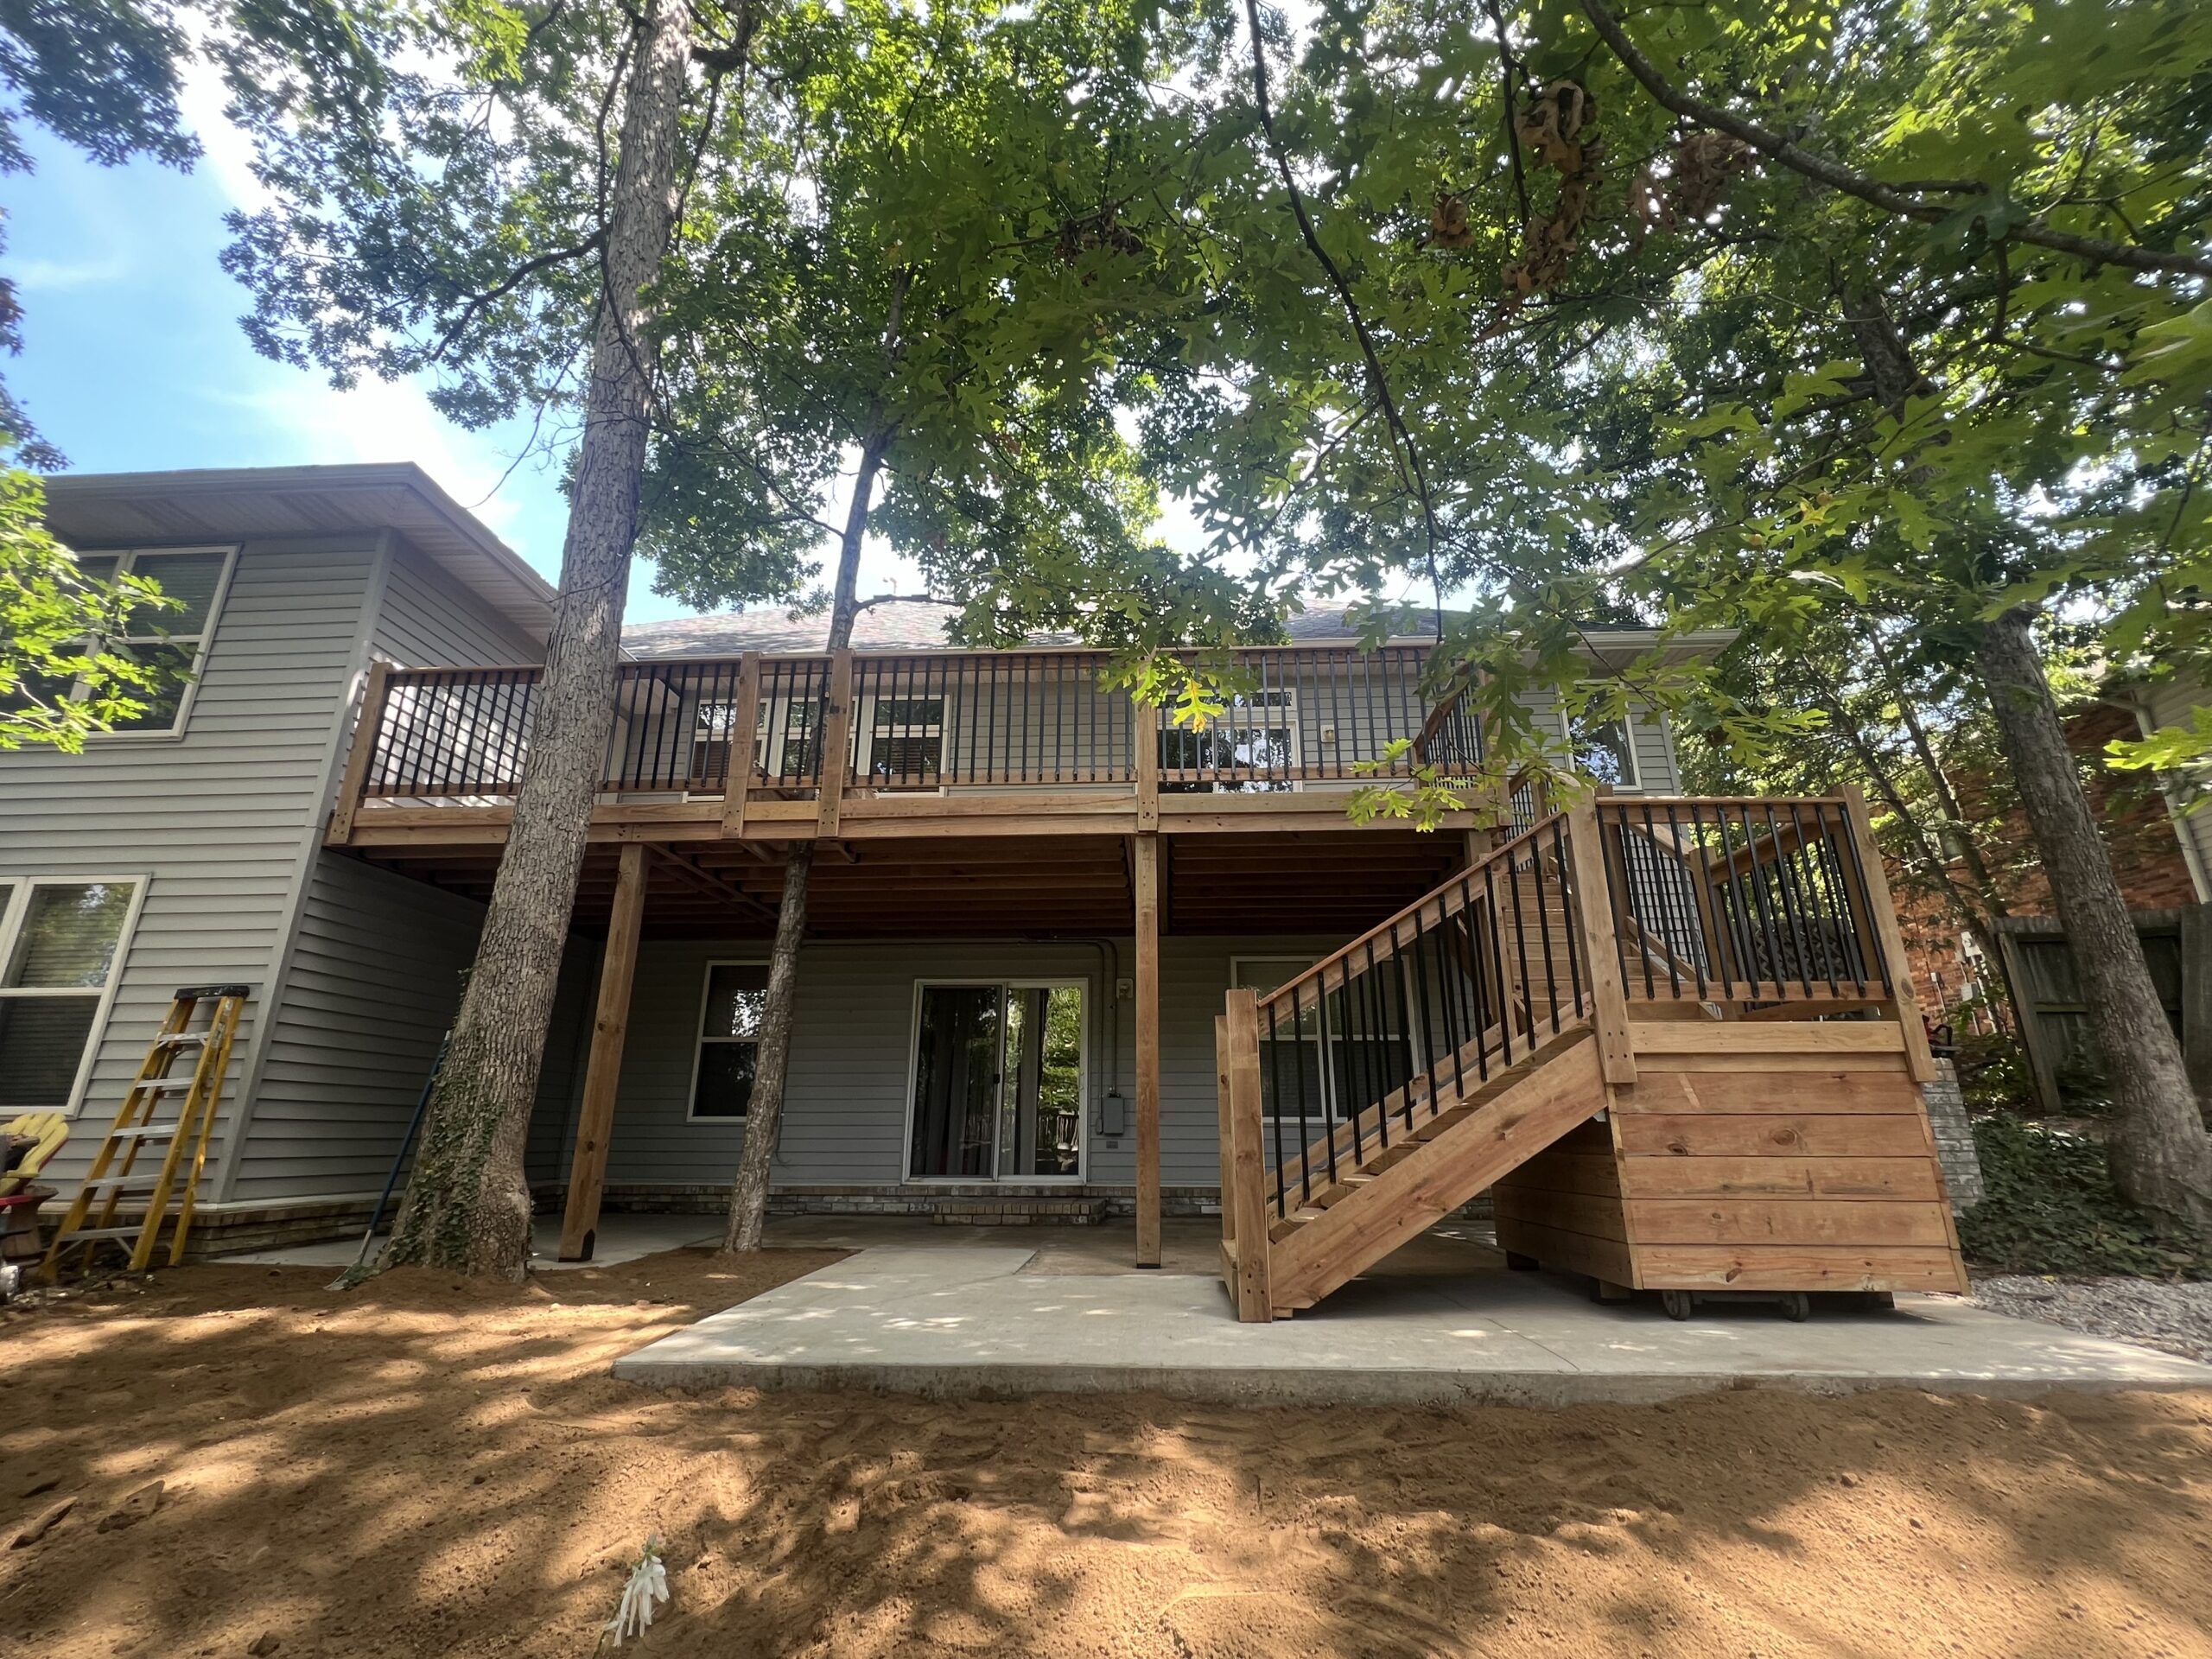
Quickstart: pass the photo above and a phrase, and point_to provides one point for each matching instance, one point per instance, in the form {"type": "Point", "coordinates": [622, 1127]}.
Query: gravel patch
{"type": "Point", "coordinates": [2176, 1319]}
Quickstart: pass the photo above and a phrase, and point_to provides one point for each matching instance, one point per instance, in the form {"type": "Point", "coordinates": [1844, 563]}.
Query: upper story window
{"type": "Point", "coordinates": [172, 642]}
{"type": "Point", "coordinates": [61, 944]}
{"type": "Point", "coordinates": [1603, 752]}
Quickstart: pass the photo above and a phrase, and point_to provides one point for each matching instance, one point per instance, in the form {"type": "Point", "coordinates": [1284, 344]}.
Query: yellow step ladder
{"type": "Point", "coordinates": [143, 1123]}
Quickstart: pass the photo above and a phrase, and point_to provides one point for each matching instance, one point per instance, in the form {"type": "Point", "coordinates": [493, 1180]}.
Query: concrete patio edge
{"type": "Point", "coordinates": [968, 1322]}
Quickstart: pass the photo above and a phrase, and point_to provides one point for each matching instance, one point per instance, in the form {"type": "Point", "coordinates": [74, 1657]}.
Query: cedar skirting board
{"type": "Point", "coordinates": [1746, 1157]}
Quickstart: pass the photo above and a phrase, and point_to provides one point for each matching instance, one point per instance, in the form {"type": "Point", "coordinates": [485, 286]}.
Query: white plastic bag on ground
{"type": "Point", "coordinates": [643, 1595]}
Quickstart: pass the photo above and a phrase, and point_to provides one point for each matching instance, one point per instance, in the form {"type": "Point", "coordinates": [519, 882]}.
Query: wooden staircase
{"type": "Point", "coordinates": [1672, 1037]}
{"type": "Point", "coordinates": [1418, 1065]}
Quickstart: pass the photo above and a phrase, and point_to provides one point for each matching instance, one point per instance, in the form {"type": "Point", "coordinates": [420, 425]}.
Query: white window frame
{"type": "Point", "coordinates": [1247, 717]}
{"type": "Point", "coordinates": [11, 923]}
{"type": "Point", "coordinates": [1081, 983]}
{"type": "Point", "coordinates": [864, 738]}
{"type": "Point", "coordinates": [699, 1039]}
{"type": "Point", "coordinates": [1633, 783]}
{"type": "Point", "coordinates": [772, 732]}
{"type": "Point", "coordinates": [126, 559]}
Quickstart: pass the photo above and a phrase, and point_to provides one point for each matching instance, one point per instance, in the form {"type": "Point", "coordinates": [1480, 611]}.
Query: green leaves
{"type": "Point", "coordinates": [60, 681]}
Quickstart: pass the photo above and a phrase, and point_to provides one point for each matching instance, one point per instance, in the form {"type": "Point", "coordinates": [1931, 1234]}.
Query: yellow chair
{"type": "Point", "coordinates": [48, 1130]}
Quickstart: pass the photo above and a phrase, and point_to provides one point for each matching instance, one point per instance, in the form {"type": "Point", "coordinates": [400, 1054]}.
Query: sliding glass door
{"type": "Point", "coordinates": [998, 1088]}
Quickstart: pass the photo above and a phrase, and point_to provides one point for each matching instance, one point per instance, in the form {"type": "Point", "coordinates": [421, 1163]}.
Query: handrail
{"type": "Point", "coordinates": [1456, 989]}
{"type": "Point", "coordinates": [1438, 901]}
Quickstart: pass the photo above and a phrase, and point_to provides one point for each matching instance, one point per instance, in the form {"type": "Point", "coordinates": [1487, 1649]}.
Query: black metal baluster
{"type": "Point", "coordinates": [1498, 977]}
{"type": "Point", "coordinates": [1477, 1018]}
{"type": "Point", "coordinates": [1332, 1106]}
{"type": "Point", "coordinates": [1544, 928]}
{"type": "Point", "coordinates": [1571, 892]}
{"type": "Point", "coordinates": [1274, 1118]}
{"type": "Point", "coordinates": [1612, 820]}
{"type": "Point", "coordinates": [1739, 929]}
{"type": "Point", "coordinates": [1445, 994]}
{"type": "Point", "coordinates": [1760, 896]}
{"type": "Point", "coordinates": [1872, 948]}
{"type": "Point", "coordinates": [1693, 927]}
{"type": "Point", "coordinates": [1785, 896]}
{"type": "Point", "coordinates": [1641, 896]}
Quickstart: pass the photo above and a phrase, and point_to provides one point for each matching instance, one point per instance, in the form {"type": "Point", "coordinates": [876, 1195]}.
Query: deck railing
{"type": "Point", "coordinates": [1571, 922]}
{"type": "Point", "coordinates": [922, 721]}
{"type": "Point", "coordinates": [1747, 900]}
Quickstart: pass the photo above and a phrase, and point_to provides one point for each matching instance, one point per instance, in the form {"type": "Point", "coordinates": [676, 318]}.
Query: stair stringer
{"type": "Point", "coordinates": [1565, 1086]}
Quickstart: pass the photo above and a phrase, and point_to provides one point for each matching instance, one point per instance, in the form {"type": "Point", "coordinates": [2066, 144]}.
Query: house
{"type": "Point", "coordinates": [1033, 910]}
{"type": "Point", "coordinates": [2160, 845]}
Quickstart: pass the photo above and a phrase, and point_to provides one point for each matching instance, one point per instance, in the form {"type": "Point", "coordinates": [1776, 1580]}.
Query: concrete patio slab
{"type": "Point", "coordinates": [970, 1321]}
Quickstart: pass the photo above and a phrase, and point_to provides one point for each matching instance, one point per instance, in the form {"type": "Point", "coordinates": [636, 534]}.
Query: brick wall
{"type": "Point", "coordinates": [2145, 854]}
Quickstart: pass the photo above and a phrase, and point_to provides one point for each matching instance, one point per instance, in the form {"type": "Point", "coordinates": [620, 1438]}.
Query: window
{"type": "Point", "coordinates": [1603, 751]}
{"type": "Point", "coordinates": [906, 739]}
{"type": "Point", "coordinates": [730, 1039]}
{"type": "Point", "coordinates": [782, 746]}
{"type": "Point", "coordinates": [998, 1081]}
{"type": "Point", "coordinates": [62, 941]}
{"type": "Point", "coordinates": [1370, 1042]}
{"type": "Point", "coordinates": [712, 725]}
{"type": "Point", "coordinates": [1256, 735]}
{"type": "Point", "coordinates": [173, 643]}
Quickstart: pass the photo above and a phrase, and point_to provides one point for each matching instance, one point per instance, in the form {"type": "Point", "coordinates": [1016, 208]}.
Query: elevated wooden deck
{"type": "Point", "coordinates": [865, 746]}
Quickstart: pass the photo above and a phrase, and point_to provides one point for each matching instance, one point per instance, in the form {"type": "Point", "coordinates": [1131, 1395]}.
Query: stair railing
{"type": "Point", "coordinates": [1369, 1044]}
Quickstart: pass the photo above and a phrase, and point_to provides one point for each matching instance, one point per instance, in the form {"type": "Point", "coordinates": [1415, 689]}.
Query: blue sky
{"type": "Point", "coordinates": [133, 359]}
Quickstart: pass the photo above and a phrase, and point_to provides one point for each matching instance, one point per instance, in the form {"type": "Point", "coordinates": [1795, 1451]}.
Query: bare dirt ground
{"type": "Point", "coordinates": [418, 1469]}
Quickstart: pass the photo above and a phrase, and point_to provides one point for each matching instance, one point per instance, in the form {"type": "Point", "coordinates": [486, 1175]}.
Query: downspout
{"type": "Point", "coordinates": [1109, 959]}
{"type": "Point", "coordinates": [2176, 808]}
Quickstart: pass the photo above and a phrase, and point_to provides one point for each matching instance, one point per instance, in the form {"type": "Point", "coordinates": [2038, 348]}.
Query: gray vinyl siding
{"type": "Point", "coordinates": [851, 1049]}
{"type": "Point", "coordinates": [374, 974]}
{"type": "Point", "coordinates": [375, 978]}
{"type": "Point", "coordinates": [218, 820]}
{"type": "Point", "coordinates": [1649, 735]}
{"type": "Point", "coordinates": [429, 620]}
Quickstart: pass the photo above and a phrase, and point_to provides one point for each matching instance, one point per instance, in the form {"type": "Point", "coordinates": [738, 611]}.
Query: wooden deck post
{"type": "Point", "coordinates": [744, 734]}
{"type": "Point", "coordinates": [1145, 861]}
{"type": "Point", "coordinates": [594, 1126]}
{"type": "Point", "coordinates": [1244, 1198]}
{"type": "Point", "coordinates": [374, 691]}
{"type": "Point", "coordinates": [1890, 939]}
{"type": "Point", "coordinates": [1147, 738]}
{"type": "Point", "coordinates": [1593, 916]}
{"type": "Point", "coordinates": [837, 746]}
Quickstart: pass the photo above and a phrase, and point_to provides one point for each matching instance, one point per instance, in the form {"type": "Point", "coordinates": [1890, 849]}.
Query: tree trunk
{"type": "Point", "coordinates": [764, 1112]}
{"type": "Point", "coordinates": [2161, 1156]}
{"type": "Point", "coordinates": [1939, 780]}
{"type": "Point", "coordinates": [467, 1206]}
